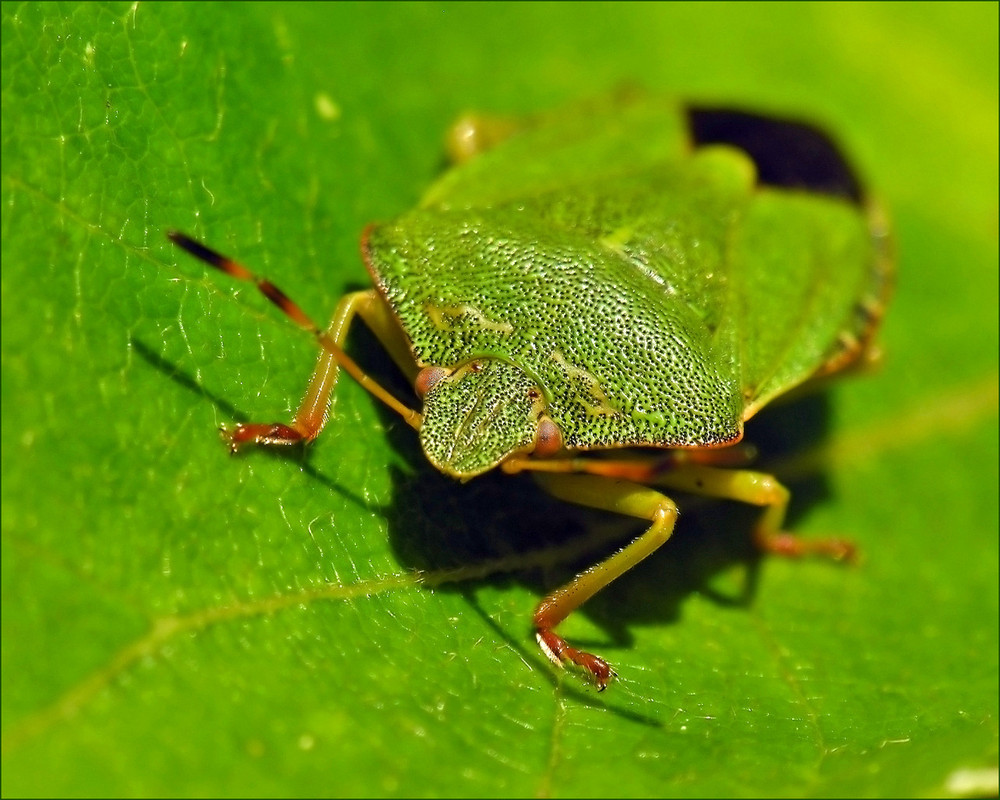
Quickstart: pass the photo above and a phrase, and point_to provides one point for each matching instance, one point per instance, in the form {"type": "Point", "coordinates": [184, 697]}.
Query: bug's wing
{"type": "Point", "coordinates": [660, 293]}
{"type": "Point", "coordinates": [802, 271]}
{"type": "Point", "coordinates": [624, 132]}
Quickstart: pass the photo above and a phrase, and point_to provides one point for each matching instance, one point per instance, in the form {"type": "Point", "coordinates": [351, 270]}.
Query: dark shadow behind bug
{"type": "Point", "coordinates": [436, 523]}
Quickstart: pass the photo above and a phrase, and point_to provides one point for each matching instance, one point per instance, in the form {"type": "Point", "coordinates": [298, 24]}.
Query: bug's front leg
{"type": "Point", "coordinates": [625, 498]}
{"type": "Point", "coordinates": [314, 409]}
{"type": "Point", "coordinates": [613, 485]}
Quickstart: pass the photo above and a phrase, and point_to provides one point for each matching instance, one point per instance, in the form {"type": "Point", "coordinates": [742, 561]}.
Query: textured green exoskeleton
{"type": "Point", "coordinates": [632, 273]}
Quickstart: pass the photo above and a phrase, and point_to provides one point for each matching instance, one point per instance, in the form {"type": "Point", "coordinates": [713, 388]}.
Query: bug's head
{"type": "Point", "coordinates": [480, 413]}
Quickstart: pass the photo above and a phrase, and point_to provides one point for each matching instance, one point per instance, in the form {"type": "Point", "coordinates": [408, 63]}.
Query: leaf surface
{"type": "Point", "coordinates": [177, 621]}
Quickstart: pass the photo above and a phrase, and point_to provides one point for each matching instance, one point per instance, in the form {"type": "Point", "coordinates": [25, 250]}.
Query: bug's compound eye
{"type": "Point", "coordinates": [427, 378]}
{"type": "Point", "coordinates": [475, 366]}
{"type": "Point", "coordinates": [548, 438]}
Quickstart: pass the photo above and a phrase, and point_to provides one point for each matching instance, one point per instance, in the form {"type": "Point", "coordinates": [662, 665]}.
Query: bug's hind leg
{"type": "Point", "coordinates": [314, 409]}
{"type": "Point", "coordinates": [472, 134]}
{"type": "Point", "coordinates": [622, 497]}
{"type": "Point", "coordinates": [759, 489]}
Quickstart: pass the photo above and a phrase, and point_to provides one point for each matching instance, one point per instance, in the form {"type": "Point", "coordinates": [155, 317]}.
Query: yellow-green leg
{"type": "Point", "coordinates": [313, 411]}
{"type": "Point", "coordinates": [473, 134]}
{"type": "Point", "coordinates": [623, 497]}
{"type": "Point", "coordinates": [681, 470]}
{"type": "Point", "coordinates": [617, 485]}
{"type": "Point", "coordinates": [758, 489]}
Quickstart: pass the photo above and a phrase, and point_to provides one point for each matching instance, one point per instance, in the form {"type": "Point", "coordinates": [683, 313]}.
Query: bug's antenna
{"type": "Point", "coordinates": [298, 316]}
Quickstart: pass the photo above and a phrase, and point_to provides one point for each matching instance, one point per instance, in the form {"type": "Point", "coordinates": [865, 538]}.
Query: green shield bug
{"type": "Point", "coordinates": [633, 274]}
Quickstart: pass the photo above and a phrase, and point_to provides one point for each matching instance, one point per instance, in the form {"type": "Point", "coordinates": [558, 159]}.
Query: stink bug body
{"type": "Point", "coordinates": [633, 273]}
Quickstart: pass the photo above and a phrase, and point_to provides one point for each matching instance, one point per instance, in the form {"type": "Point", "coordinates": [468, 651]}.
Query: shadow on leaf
{"type": "Point", "coordinates": [498, 528]}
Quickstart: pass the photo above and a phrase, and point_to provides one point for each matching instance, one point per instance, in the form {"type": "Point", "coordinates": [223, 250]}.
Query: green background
{"type": "Point", "coordinates": [176, 621]}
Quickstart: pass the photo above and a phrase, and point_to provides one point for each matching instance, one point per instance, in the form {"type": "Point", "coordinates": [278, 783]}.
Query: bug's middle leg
{"type": "Point", "coordinates": [759, 489]}
{"type": "Point", "coordinates": [687, 475]}
{"type": "Point", "coordinates": [622, 497]}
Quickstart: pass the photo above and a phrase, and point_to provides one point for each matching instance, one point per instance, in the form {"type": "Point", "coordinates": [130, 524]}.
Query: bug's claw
{"type": "Point", "coordinates": [558, 651]}
{"type": "Point", "coordinates": [273, 433]}
{"type": "Point", "coordinates": [788, 545]}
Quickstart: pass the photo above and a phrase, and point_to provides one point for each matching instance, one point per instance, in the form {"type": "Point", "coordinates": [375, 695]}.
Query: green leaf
{"type": "Point", "coordinates": [176, 621]}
